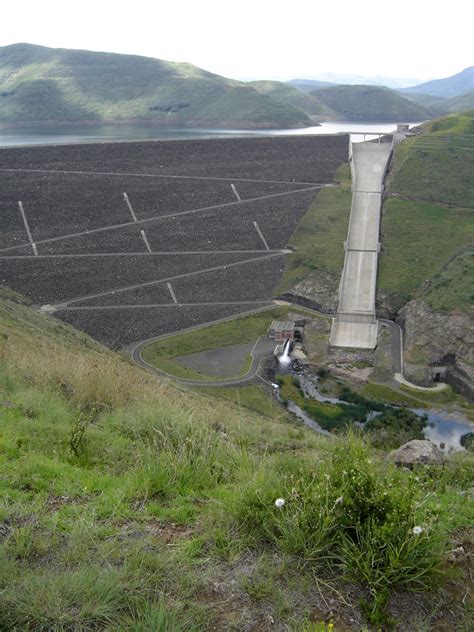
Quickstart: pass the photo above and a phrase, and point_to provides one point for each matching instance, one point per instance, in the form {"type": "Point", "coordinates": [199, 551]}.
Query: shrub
{"type": "Point", "coordinates": [349, 513]}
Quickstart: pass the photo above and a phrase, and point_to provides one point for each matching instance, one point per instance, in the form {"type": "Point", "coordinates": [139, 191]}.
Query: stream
{"type": "Point", "coordinates": [443, 429]}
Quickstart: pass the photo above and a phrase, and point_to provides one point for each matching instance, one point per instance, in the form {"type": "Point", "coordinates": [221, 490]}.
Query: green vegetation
{"type": "Point", "coordinates": [288, 94]}
{"type": "Point", "coordinates": [254, 398]}
{"type": "Point", "coordinates": [427, 227]}
{"type": "Point", "coordinates": [44, 84]}
{"type": "Point", "coordinates": [436, 166]}
{"type": "Point", "coordinates": [453, 286]}
{"type": "Point", "coordinates": [349, 512]}
{"type": "Point", "coordinates": [383, 393]}
{"type": "Point", "coordinates": [389, 429]}
{"type": "Point", "coordinates": [318, 239]}
{"type": "Point", "coordinates": [370, 103]}
{"type": "Point", "coordinates": [418, 240]}
{"type": "Point", "coordinates": [125, 499]}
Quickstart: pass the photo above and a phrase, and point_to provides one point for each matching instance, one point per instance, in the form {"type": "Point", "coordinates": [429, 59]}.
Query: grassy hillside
{"type": "Point", "coordinates": [429, 215]}
{"type": "Point", "coordinates": [370, 103]}
{"type": "Point", "coordinates": [45, 84]}
{"type": "Point", "coordinates": [288, 94]}
{"type": "Point", "coordinates": [133, 504]}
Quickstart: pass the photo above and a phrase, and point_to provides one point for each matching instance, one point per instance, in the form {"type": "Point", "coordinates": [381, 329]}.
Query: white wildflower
{"type": "Point", "coordinates": [417, 530]}
{"type": "Point", "coordinates": [279, 502]}
{"type": "Point", "coordinates": [338, 500]}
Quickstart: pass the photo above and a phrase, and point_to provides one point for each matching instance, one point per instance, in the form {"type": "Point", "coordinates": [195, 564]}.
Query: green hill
{"type": "Point", "coordinates": [39, 84]}
{"type": "Point", "coordinates": [462, 103]}
{"type": "Point", "coordinates": [440, 105]}
{"type": "Point", "coordinates": [370, 103]}
{"type": "Point", "coordinates": [130, 503]}
{"type": "Point", "coordinates": [290, 95]}
{"type": "Point", "coordinates": [426, 270]}
{"type": "Point", "coordinates": [307, 85]}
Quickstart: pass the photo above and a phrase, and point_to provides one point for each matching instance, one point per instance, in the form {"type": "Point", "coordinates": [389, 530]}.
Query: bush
{"type": "Point", "coordinates": [348, 513]}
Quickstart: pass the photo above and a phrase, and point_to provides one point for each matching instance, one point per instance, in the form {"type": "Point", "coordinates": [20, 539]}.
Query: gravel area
{"type": "Point", "coordinates": [119, 327]}
{"type": "Point", "coordinates": [167, 183]}
{"type": "Point", "coordinates": [285, 158]}
{"type": "Point", "coordinates": [58, 280]}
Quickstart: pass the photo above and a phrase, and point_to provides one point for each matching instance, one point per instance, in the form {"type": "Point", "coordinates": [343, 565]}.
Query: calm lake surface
{"type": "Point", "coordinates": [71, 134]}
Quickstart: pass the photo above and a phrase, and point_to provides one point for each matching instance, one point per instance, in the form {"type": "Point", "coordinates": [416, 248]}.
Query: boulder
{"type": "Point", "coordinates": [416, 452]}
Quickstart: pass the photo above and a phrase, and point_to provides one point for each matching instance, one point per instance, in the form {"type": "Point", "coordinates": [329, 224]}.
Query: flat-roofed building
{"type": "Point", "coordinates": [281, 330]}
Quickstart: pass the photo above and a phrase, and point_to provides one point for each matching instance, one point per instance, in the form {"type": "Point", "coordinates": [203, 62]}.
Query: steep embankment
{"type": "Point", "coordinates": [39, 84]}
{"type": "Point", "coordinates": [129, 503]}
{"type": "Point", "coordinates": [427, 261]}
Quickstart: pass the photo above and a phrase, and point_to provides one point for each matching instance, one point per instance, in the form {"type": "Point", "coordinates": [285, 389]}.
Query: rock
{"type": "Point", "coordinates": [434, 338]}
{"type": "Point", "coordinates": [416, 452]}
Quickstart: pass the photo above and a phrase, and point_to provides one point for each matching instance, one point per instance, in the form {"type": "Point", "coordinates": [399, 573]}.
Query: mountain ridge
{"type": "Point", "coordinates": [453, 86]}
{"type": "Point", "coordinates": [39, 84]}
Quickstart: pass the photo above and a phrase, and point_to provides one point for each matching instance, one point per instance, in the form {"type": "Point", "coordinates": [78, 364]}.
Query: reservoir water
{"type": "Point", "coordinates": [71, 134]}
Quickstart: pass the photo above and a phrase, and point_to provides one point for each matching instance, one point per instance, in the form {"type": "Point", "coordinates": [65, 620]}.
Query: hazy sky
{"type": "Point", "coordinates": [250, 39]}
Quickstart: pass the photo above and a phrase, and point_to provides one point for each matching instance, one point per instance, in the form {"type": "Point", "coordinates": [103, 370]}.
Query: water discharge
{"type": "Point", "coordinates": [285, 359]}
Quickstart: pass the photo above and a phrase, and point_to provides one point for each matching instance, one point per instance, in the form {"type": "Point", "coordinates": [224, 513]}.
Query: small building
{"type": "Point", "coordinates": [403, 128]}
{"type": "Point", "coordinates": [281, 330]}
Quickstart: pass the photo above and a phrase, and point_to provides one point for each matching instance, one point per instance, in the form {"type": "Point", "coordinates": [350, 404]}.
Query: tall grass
{"type": "Point", "coordinates": [347, 512]}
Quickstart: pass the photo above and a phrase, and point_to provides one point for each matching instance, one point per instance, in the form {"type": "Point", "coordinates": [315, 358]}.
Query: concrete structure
{"type": "Point", "coordinates": [355, 324]}
{"type": "Point", "coordinates": [281, 330]}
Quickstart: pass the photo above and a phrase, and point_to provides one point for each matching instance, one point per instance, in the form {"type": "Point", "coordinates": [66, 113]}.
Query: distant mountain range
{"type": "Point", "coordinates": [454, 86]}
{"type": "Point", "coordinates": [57, 86]}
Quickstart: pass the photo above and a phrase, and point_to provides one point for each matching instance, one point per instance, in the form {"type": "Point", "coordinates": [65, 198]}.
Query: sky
{"type": "Point", "coordinates": [259, 39]}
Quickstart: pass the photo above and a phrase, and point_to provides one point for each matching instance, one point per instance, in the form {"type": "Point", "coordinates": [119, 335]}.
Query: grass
{"type": "Point", "coordinates": [453, 286]}
{"type": "Point", "coordinates": [427, 224]}
{"type": "Point", "coordinates": [418, 240]}
{"type": "Point", "coordinates": [319, 238]}
{"type": "Point", "coordinates": [254, 398]}
{"type": "Point", "coordinates": [389, 395]}
{"type": "Point", "coordinates": [124, 499]}
{"type": "Point", "coordinates": [436, 166]}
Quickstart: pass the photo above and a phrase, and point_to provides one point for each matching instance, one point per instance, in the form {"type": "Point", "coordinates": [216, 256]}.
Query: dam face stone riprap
{"type": "Point", "coordinates": [95, 212]}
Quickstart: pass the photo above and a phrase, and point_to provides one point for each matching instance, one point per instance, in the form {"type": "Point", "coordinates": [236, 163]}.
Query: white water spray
{"type": "Point", "coordinates": [285, 359]}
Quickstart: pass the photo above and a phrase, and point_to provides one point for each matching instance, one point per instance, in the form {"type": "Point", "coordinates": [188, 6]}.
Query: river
{"type": "Point", "coordinates": [72, 134]}
{"type": "Point", "coordinates": [443, 429]}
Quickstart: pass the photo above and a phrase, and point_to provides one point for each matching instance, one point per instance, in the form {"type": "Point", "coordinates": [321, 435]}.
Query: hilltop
{"type": "Point", "coordinates": [39, 84]}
